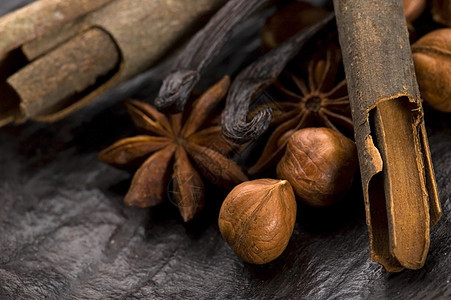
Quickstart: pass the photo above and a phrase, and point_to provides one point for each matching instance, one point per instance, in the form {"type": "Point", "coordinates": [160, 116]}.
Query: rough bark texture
{"type": "Point", "coordinates": [34, 20]}
{"type": "Point", "coordinates": [68, 70]}
{"type": "Point", "coordinates": [144, 32]}
{"type": "Point", "coordinates": [398, 183]}
{"type": "Point", "coordinates": [65, 234]}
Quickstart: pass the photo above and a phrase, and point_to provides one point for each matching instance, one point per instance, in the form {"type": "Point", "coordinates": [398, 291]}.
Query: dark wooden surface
{"type": "Point", "coordinates": [65, 234]}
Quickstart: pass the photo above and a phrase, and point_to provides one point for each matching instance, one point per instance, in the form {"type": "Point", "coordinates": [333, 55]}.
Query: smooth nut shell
{"type": "Point", "coordinates": [257, 219]}
{"type": "Point", "coordinates": [432, 58]}
{"type": "Point", "coordinates": [320, 164]}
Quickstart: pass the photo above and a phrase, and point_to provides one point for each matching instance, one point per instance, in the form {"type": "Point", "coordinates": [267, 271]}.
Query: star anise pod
{"type": "Point", "coordinates": [320, 99]}
{"type": "Point", "coordinates": [177, 142]}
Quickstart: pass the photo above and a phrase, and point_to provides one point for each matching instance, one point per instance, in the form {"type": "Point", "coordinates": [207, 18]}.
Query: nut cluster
{"type": "Point", "coordinates": [257, 217]}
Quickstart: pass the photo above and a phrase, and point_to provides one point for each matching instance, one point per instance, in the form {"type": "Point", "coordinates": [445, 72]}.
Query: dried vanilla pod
{"type": "Point", "coordinates": [200, 51]}
{"type": "Point", "coordinates": [255, 79]}
{"type": "Point", "coordinates": [257, 219]}
{"type": "Point", "coordinates": [320, 163]}
{"type": "Point", "coordinates": [398, 180]}
{"type": "Point", "coordinates": [432, 58]}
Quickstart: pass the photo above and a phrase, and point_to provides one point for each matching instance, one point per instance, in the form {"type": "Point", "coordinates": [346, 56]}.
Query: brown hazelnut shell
{"type": "Point", "coordinates": [432, 58]}
{"type": "Point", "coordinates": [320, 164]}
{"type": "Point", "coordinates": [257, 219]}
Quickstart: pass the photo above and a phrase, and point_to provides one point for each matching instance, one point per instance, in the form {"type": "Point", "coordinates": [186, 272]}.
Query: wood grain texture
{"type": "Point", "coordinates": [65, 234]}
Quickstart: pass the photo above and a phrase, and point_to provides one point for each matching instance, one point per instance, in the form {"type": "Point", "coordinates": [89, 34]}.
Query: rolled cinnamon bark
{"type": "Point", "coordinates": [48, 84]}
{"type": "Point", "coordinates": [32, 21]}
{"type": "Point", "coordinates": [142, 33]}
{"type": "Point", "coordinates": [397, 176]}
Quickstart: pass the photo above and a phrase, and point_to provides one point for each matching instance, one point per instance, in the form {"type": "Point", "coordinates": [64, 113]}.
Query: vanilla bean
{"type": "Point", "coordinates": [200, 51]}
{"type": "Point", "coordinates": [253, 80]}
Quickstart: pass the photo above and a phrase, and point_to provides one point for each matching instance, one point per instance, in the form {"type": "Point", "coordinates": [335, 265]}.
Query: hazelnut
{"type": "Point", "coordinates": [320, 164]}
{"type": "Point", "coordinates": [441, 11]}
{"type": "Point", "coordinates": [413, 9]}
{"type": "Point", "coordinates": [257, 219]}
{"type": "Point", "coordinates": [432, 58]}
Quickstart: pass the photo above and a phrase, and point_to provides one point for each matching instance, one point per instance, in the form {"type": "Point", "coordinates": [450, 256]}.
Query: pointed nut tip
{"type": "Point", "coordinates": [284, 183]}
{"type": "Point", "coordinates": [131, 201]}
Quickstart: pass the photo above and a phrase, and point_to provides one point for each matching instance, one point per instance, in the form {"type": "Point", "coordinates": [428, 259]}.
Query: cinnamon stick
{"type": "Point", "coordinates": [46, 84]}
{"type": "Point", "coordinates": [398, 180]}
{"type": "Point", "coordinates": [142, 33]}
{"type": "Point", "coordinates": [33, 20]}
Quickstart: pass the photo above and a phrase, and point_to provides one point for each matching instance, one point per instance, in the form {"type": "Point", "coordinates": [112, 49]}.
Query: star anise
{"type": "Point", "coordinates": [318, 100]}
{"type": "Point", "coordinates": [179, 142]}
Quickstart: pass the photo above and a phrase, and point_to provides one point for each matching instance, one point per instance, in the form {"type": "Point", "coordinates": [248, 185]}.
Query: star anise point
{"type": "Point", "coordinates": [180, 149]}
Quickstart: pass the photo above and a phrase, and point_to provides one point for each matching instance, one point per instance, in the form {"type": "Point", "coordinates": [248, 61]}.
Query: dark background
{"type": "Point", "coordinates": [65, 234]}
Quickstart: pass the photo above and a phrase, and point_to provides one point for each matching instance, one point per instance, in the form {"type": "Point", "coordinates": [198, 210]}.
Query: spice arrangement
{"type": "Point", "coordinates": [338, 105]}
{"type": "Point", "coordinates": [305, 103]}
{"type": "Point", "coordinates": [310, 148]}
